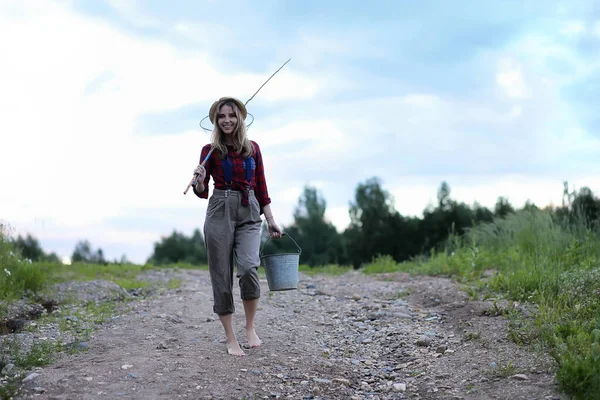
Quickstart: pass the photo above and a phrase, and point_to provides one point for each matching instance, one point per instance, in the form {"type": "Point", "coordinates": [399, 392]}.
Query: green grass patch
{"type": "Point", "coordinates": [330, 269]}
{"type": "Point", "coordinates": [383, 264]}
{"type": "Point", "coordinates": [39, 354]}
{"type": "Point", "coordinates": [21, 278]}
{"type": "Point", "coordinates": [17, 276]}
{"type": "Point", "coordinates": [174, 283]}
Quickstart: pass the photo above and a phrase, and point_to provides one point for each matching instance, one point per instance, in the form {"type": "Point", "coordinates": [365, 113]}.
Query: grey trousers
{"type": "Point", "coordinates": [232, 233]}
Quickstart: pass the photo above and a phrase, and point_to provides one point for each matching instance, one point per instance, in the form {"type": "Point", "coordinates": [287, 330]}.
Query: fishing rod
{"type": "Point", "coordinates": [195, 177]}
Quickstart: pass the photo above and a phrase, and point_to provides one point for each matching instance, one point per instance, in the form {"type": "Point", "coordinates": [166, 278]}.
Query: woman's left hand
{"type": "Point", "coordinates": [274, 229]}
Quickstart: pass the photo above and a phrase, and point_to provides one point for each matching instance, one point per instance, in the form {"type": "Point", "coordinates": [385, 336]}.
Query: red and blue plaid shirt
{"type": "Point", "coordinates": [214, 169]}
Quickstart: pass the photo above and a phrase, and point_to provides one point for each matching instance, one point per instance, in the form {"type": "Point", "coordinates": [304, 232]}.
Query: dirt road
{"type": "Point", "coordinates": [344, 337]}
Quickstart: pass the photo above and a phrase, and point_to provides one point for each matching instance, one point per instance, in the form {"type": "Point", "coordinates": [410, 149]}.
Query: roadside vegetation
{"type": "Point", "coordinates": [530, 257]}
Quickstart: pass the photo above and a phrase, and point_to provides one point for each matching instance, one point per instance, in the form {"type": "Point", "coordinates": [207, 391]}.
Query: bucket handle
{"type": "Point", "coordinates": [283, 234]}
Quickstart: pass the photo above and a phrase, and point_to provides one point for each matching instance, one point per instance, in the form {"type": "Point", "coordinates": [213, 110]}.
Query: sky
{"type": "Point", "coordinates": [100, 104]}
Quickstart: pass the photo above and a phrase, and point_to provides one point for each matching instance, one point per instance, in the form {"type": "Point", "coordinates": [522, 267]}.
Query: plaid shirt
{"type": "Point", "coordinates": [214, 168]}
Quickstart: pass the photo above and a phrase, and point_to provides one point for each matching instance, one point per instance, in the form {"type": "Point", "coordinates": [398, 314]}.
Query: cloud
{"type": "Point", "coordinates": [102, 113]}
{"type": "Point", "coordinates": [71, 119]}
{"type": "Point", "coordinates": [510, 79]}
{"type": "Point", "coordinates": [572, 28]}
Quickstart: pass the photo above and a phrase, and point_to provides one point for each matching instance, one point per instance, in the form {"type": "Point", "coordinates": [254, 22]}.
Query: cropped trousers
{"type": "Point", "coordinates": [232, 235]}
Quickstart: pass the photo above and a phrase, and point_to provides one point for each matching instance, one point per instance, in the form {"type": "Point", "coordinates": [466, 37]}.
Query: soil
{"type": "Point", "coordinates": [335, 337]}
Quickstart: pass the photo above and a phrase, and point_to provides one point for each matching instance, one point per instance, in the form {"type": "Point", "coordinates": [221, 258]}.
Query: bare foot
{"type": "Point", "coordinates": [253, 340]}
{"type": "Point", "coordinates": [234, 349]}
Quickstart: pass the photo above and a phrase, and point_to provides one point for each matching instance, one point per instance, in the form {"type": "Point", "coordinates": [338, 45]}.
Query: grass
{"type": "Point", "coordinates": [38, 354]}
{"type": "Point", "coordinates": [537, 260]}
{"type": "Point", "coordinates": [330, 269]}
{"type": "Point", "coordinates": [20, 278]}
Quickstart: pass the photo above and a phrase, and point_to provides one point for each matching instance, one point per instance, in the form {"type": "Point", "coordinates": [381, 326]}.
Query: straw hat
{"type": "Point", "coordinates": [213, 109]}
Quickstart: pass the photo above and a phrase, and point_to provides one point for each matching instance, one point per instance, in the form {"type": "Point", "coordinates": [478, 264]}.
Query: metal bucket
{"type": "Point", "coordinates": [281, 269]}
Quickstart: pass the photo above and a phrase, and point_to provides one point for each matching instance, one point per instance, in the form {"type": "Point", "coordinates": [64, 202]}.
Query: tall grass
{"type": "Point", "coordinates": [20, 277]}
{"type": "Point", "coordinates": [536, 259]}
{"type": "Point", "coordinates": [17, 276]}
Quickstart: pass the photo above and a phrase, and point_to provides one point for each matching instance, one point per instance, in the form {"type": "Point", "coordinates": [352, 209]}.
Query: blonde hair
{"type": "Point", "coordinates": [241, 143]}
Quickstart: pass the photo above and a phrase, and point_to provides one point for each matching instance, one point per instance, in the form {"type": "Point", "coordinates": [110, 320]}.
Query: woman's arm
{"type": "Point", "coordinates": [274, 229]}
{"type": "Point", "coordinates": [204, 174]}
{"type": "Point", "coordinates": [198, 187]}
{"type": "Point", "coordinates": [268, 213]}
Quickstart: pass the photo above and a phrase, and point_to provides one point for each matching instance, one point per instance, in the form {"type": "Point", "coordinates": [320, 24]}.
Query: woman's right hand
{"type": "Point", "coordinates": [201, 172]}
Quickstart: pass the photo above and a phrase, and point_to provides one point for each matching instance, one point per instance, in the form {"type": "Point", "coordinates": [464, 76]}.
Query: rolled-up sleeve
{"type": "Point", "coordinates": [261, 191]}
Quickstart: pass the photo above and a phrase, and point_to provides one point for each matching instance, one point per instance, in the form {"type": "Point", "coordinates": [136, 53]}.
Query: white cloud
{"type": "Point", "coordinates": [423, 100]}
{"type": "Point", "coordinates": [510, 78]}
{"type": "Point", "coordinates": [573, 28]}
{"type": "Point", "coordinates": [542, 52]}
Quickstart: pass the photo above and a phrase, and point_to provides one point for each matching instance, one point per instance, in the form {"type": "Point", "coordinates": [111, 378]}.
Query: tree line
{"type": "Point", "coordinates": [30, 248]}
{"type": "Point", "coordinates": [376, 228]}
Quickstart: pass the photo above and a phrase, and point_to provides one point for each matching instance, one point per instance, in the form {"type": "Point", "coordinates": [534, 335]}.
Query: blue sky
{"type": "Point", "coordinates": [101, 103]}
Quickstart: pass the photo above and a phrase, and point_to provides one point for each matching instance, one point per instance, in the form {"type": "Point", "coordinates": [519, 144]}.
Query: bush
{"type": "Point", "coordinates": [17, 276]}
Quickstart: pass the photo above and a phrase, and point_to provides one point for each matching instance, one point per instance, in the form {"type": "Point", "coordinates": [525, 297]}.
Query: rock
{"type": "Point", "coordinates": [126, 366]}
{"type": "Point", "coordinates": [342, 381]}
{"type": "Point", "coordinates": [31, 381]}
{"type": "Point", "coordinates": [71, 318]}
{"type": "Point", "coordinates": [87, 291]}
{"type": "Point", "coordinates": [399, 387]}
{"type": "Point", "coordinates": [80, 346]}
{"type": "Point", "coordinates": [520, 377]}
{"type": "Point", "coordinates": [31, 377]}
{"type": "Point", "coordinates": [320, 380]}
{"type": "Point", "coordinates": [15, 325]}
{"type": "Point", "coordinates": [423, 342]}
{"type": "Point", "coordinates": [441, 349]}
{"type": "Point", "coordinates": [7, 369]}
{"type": "Point", "coordinates": [175, 319]}
{"type": "Point", "coordinates": [21, 309]}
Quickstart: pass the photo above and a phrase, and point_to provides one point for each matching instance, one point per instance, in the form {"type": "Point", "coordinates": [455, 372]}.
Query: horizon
{"type": "Point", "coordinates": [102, 102]}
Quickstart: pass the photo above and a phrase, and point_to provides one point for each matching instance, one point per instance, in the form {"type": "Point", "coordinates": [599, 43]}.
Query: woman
{"type": "Point", "coordinates": [233, 216]}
